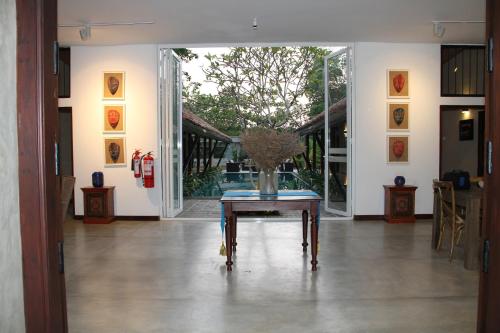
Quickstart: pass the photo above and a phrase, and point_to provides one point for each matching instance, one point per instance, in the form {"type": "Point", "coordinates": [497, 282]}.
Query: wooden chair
{"type": "Point", "coordinates": [67, 185]}
{"type": "Point", "coordinates": [448, 214]}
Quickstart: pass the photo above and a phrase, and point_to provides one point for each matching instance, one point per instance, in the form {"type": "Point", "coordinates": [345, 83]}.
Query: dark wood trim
{"type": "Point", "coordinates": [368, 217]}
{"type": "Point", "coordinates": [481, 126]}
{"type": "Point", "coordinates": [424, 216]}
{"type": "Point", "coordinates": [455, 108]}
{"type": "Point", "coordinates": [128, 218]}
{"type": "Point", "coordinates": [65, 73]}
{"type": "Point", "coordinates": [381, 217]}
{"type": "Point", "coordinates": [489, 281]}
{"type": "Point", "coordinates": [39, 187]}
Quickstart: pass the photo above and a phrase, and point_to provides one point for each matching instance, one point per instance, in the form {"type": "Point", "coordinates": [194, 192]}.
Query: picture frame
{"type": "Point", "coordinates": [398, 83]}
{"type": "Point", "coordinates": [113, 85]}
{"type": "Point", "coordinates": [114, 118]}
{"type": "Point", "coordinates": [398, 116]}
{"type": "Point", "coordinates": [466, 130]}
{"type": "Point", "coordinates": [115, 152]}
{"type": "Point", "coordinates": [398, 149]}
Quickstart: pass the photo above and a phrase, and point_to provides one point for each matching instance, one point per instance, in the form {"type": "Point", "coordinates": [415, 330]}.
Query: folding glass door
{"type": "Point", "coordinates": [171, 132]}
{"type": "Point", "coordinates": [337, 76]}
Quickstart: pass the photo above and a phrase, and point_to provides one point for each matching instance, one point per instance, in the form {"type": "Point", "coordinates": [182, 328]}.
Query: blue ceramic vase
{"type": "Point", "coordinates": [97, 179]}
{"type": "Point", "coordinates": [399, 181]}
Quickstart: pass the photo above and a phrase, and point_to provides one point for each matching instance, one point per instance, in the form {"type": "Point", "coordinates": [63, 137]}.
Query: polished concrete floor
{"type": "Point", "coordinates": [168, 277]}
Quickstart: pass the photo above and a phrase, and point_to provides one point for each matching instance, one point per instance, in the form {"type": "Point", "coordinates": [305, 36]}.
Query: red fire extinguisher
{"type": "Point", "coordinates": [148, 176]}
{"type": "Point", "coordinates": [136, 163]}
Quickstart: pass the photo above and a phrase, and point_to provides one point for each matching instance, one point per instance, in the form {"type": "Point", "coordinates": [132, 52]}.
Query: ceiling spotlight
{"type": "Point", "coordinates": [85, 32]}
{"type": "Point", "coordinates": [255, 25]}
{"type": "Point", "coordinates": [439, 29]}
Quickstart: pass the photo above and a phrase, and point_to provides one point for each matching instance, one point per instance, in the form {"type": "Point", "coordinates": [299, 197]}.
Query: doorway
{"type": "Point", "coordinates": [66, 148]}
{"type": "Point", "coordinates": [462, 139]}
{"type": "Point", "coordinates": [327, 169]}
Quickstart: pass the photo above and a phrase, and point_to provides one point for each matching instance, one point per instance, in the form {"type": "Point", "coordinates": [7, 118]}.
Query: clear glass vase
{"type": "Point", "coordinates": [268, 181]}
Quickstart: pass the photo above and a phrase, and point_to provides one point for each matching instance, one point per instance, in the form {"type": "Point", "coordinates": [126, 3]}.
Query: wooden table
{"type": "Point", "coordinates": [305, 203]}
{"type": "Point", "coordinates": [471, 201]}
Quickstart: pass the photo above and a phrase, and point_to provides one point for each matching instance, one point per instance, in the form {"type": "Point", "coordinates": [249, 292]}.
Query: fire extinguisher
{"type": "Point", "coordinates": [148, 175]}
{"type": "Point", "coordinates": [136, 163]}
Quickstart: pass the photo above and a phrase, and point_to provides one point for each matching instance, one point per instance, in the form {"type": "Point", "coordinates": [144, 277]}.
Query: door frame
{"type": "Point", "coordinates": [455, 108]}
{"type": "Point", "coordinates": [39, 188]}
{"type": "Point", "coordinates": [489, 285]}
{"type": "Point", "coordinates": [349, 50]}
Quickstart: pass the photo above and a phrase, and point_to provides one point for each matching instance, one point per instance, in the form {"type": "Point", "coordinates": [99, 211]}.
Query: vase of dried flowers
{"type": "Point", "coordinates": [268, 148]}
{"type": "Point", "coordinates": [268, 181]}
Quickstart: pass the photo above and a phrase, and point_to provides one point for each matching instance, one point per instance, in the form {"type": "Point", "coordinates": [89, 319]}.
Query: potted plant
{"type": "Point", "coordinates": [268, 148]}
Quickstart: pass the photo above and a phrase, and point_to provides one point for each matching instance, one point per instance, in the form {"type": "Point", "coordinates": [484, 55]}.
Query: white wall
{"type": "Point", "coordinates": [139, 62]}
{"type": "Point", "coordinates": [371, 169]}
{"type": "Point", "coordinates": [11, 280]}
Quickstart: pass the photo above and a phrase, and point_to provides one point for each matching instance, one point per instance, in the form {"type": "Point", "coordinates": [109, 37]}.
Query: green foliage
{"type": "Point", "coordinates": [314, 180]}
{"type": "Point", "coordinates": [193, 183]}
{"type": "Point", "coordinates": [271, 87]}
{"type": "Point", "coordinates": [185, 54]}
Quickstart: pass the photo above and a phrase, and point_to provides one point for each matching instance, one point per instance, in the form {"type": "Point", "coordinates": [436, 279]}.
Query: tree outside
{"type": "Point", "coordinates": [271, 87]}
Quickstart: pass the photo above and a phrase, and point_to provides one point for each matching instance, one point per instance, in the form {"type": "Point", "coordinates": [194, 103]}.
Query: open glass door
{"type": "Point", "coordinates": [337, 76]}
{"type": "Point", "coordinates": [171, 132]}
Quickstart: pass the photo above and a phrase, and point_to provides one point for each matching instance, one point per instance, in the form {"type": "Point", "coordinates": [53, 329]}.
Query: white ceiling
{"type": "Point", "coordinates": [280, 21]}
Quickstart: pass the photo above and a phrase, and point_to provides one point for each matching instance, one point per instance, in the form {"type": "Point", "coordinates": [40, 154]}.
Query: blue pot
{"type": "Point", "coordinates": [399, 180]}
{"type": "Point", "coordinates": [97, 179]}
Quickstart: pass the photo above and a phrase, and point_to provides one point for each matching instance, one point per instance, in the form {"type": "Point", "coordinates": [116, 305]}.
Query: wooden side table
{"type": "Point", "coordinates": [98, 205]}
{"type": "Point", "coordinates": [399, 204]}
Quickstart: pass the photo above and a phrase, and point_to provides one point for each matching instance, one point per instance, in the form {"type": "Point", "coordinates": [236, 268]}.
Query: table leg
{"type": "Point", "coordinates": [471, 234]}
{"type": "Point", "coordinates": [229, 245]}
{"type": "Point", "coordinates": [304, 230]}
{"type": "Point", "coordinates": [314, 238]}
{"type": "Point", "coordinates": [233, 234]}
{"type": "Point", "coordinates": [436, 226]}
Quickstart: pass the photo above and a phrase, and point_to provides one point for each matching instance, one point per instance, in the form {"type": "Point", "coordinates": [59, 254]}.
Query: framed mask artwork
{"type": "Point", "coordinates": [398, 116]}
{"type": "Point", "coordinates": [114, 152]}
{"type": "Point", "coordinates": [398, 150]}
{"type": "Point", "coordinates": [114, 118]}
{"type": "Point", "coordinates": [114, 85]}
{"type": "Point", "coordinates": [398, 83]}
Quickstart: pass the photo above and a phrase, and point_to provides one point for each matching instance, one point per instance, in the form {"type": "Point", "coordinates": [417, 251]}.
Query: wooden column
{"type": "Point", "coordinates": [211, 154]}
{"type": "Point", "coordinates": [314, 155]}
{"type": "Point", "coordinates": [198, 153]}
{"type": "Point", "coordinates": [204, 153]}
{"type": "Point", "coordinates": [307, 146]}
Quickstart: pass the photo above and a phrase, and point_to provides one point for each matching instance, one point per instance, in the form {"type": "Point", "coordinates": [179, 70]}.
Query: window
{"type": "Point", "coordinates": [462, 70]}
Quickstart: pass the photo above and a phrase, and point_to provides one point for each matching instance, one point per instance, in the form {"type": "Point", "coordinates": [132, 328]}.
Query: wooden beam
{"type": "Point", "coordinates": [209, 162]}
{"type": "Point", "coordinates": [227, 144]}
{"type": "Point", "coordinates": [188, 164]}
{"type": "Point", "coordinates": [306, 159]}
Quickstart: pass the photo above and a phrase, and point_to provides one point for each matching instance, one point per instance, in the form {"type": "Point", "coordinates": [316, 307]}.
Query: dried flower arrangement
{"type": "Point", "coordinates": [268, 148]}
